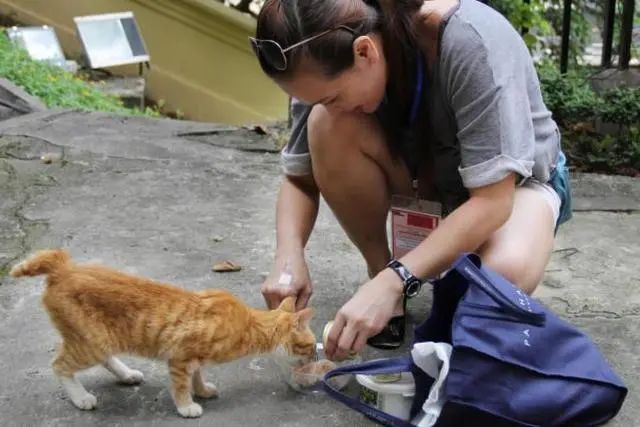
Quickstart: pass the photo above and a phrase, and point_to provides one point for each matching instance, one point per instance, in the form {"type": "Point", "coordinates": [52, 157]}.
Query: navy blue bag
{"type": "Point", "coordinates": [514, 362]}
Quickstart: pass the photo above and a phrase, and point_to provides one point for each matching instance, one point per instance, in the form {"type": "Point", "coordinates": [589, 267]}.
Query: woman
{"type": "Point", "coordinates": [390, 93]}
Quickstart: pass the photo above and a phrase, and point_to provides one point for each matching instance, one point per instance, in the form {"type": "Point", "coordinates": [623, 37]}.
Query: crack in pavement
{"type": "Point", "coordinates": [6, 155]}
{"type": "Point", "coordinates": [23, 147]}
{"type": "Point", "coordinates": [612, 210]}
{"type": "Point", "coordinates": [24, 225]}
{"type": "Point", "coordinates": [587, 312]}
{"type": "Point", "coordinates": [63, 151]}
{"type": "Point", "coordinates": [30, 136]}
{"type": "Point", "coordinates": [137, 159]}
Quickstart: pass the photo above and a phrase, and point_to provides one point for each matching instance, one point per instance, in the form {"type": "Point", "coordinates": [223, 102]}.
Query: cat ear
{"type": "Point", "coordinates": [303, 317]}
{"type": "Point", "coordinates": [288, 304]}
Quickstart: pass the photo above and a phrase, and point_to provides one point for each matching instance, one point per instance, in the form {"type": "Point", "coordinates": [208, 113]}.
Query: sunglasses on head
{"type": "Point", "coordinates": [275, 56]}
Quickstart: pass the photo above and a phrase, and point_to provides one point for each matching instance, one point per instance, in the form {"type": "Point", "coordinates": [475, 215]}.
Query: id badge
{"type": "Point", "coordinates": [412, 220]}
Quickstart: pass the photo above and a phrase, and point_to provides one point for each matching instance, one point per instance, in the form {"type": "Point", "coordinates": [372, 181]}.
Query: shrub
{"type": "Point", "coordinates": [578, 108]}
{"type": "Point", "coordinates": [54, 86]}
{"type": "Point", "coordinates": [570, 96]}
{"type": "Point", "coordinates": [621, 106]}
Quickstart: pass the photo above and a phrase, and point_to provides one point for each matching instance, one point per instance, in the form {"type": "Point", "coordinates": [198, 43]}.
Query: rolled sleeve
{"type": "Point", "coordinates": [295, 159]}
{"type": "Point", "coordinates": [494, 170]}
{"type": "Point", "coordinates": [295, 164]}
{"type": "Point", "coordinates": [487, 91]}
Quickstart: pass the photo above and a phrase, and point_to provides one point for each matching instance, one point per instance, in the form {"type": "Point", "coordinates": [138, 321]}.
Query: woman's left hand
{"type": "Point", "coordinates": [365, 314]}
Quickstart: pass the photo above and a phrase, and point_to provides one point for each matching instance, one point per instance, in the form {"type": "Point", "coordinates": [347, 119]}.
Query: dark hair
{"type": "Point", "coordinates": [400, 45]}
{"type": "Point", "coordinates": [289, 21]}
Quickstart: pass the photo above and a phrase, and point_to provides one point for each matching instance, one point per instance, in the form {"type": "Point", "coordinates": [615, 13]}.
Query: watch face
{"type": "Point", "coordinates": [412, 288]}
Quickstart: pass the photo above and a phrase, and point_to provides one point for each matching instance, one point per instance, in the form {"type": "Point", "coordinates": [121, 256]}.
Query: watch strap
{"type": "Point", "coordinates": [411, 284]}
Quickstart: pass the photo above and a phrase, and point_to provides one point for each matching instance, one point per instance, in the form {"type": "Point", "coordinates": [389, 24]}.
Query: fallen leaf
{"type": "Point", "coordinates": [226, 266]}
{"type": "Point", "coordinates": [217, 238]}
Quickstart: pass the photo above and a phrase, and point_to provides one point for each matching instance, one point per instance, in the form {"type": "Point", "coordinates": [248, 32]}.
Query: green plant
{"type": "Point", "coordinates": [580, 30]}
{"type": "Point", "coordinates": [621, 105]}
{"type": "Point", "coordinates": [630, 150]}
{"type": "Point", "coordinates": [635, 47]}
{"type": "Point", "coordinates": [570, 96]}
{"type": "Point", "coordinates": [54, 86]}
{"type": "Point", "coordinates": [577, 108]}
{"type": "Point", "coordinates": [543, 21]}
{"type": "Point", "coordinates": [593, 152]}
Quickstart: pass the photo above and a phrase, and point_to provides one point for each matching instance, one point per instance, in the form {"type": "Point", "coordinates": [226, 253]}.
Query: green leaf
{"type": "Point", "coordinates": [54, 86]}
{"type": "Point", "coordinates": [530, 40]}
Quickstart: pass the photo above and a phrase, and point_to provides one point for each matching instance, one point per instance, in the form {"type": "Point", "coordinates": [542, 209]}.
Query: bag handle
{"type": "Point", "coordinates": [374, 367]}
{"type": "Point", "coordinates": [468, 265]}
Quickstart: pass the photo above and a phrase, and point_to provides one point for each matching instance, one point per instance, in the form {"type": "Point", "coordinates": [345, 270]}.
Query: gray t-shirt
{"type": "Point", "coordinates": [483, 103]}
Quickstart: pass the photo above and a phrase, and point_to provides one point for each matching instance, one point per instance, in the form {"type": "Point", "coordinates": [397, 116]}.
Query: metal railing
{"type": "Point", "coordinates": [626, 30]}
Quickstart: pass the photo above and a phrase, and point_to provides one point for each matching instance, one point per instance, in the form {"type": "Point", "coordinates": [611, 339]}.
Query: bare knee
{"type": "Point", "coordinates": [329, 132]}
{"type": "Point", "coordinates": [343, 144]}
{"type": "Point", "coordinates": [333, 145]}
{"type": "Point", "coordinates": [320, 125]}
{"type": "Point", "coordinates": [514, 266]}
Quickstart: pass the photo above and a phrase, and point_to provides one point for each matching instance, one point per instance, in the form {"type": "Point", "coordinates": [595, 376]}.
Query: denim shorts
{"type": "Point", "coordinates": [556, 191]}
{"type": "Point", "coordinates": [562, 185]}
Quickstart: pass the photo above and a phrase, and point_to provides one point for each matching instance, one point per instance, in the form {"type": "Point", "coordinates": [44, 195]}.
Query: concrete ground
{"type": "Point", "coordinates": [167, 199]}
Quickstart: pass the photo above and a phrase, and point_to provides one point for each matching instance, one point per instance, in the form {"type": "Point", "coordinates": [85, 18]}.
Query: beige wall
{"type": "Point", "coordinates": [200, 57]}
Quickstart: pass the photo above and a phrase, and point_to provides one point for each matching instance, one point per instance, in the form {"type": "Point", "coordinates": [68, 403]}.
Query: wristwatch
{"type": "Point", "coordinates": [411, 283]}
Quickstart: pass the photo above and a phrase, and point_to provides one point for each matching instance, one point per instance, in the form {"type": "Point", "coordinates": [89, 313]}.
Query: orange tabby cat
{"type": "Point", "coordinates": [101, 312]}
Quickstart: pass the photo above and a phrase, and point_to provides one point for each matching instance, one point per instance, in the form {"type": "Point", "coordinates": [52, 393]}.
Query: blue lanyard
{"type": "Point", "coordinates": [417, 97]}
{"type": "Point", "coordinates": [415, 109]}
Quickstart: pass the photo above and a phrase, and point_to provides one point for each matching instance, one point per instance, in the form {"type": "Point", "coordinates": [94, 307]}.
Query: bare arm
{"type": "Point", "coordinates": [465, 230]}
{"type": "Point", "coordinates": [296, 212]}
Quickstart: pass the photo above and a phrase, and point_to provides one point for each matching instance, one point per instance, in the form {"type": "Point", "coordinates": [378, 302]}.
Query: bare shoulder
{"type": "Point", "coordinates": [432, 13]}
{"type": "Point", "coordinates": [428, 23]}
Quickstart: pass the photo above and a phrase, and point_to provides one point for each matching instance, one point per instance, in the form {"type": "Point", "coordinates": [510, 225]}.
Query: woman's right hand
{"type": "Point", "coordinates": [289, 277]}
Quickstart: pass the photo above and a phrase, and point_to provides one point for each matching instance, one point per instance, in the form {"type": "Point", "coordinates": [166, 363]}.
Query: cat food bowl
{"type": "Point", "coordinates": [307, 378]}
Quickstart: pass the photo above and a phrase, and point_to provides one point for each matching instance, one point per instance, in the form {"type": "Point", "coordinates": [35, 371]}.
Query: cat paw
{"type": "Point", "coordinates": [85, 402]}
{"type": "Point", "coordinates": [190, 411]}
{"type": "Point", "coordinates": [207, 392]}
{"type": "Point", "coordinates": [133, 377]}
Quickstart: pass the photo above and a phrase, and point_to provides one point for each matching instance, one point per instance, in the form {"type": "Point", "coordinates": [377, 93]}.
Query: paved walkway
{"type": "Point", "coordinates": [156, 197]}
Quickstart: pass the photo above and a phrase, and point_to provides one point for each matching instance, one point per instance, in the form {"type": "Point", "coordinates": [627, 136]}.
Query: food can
{"type": "Point", "coordinates": [325, 336]}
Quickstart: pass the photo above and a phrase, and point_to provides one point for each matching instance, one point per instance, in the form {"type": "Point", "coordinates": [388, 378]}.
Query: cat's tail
{"type": "Point", "coordinates": [42, 262]}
